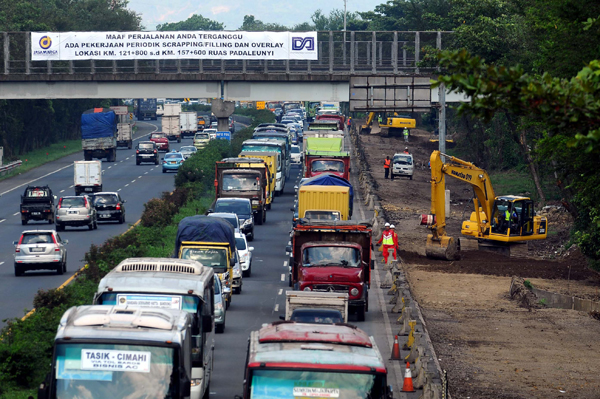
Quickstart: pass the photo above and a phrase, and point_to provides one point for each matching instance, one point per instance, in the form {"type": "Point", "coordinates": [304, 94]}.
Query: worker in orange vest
{"type": "Point", "coordinates": [395, 237]}
{"type": "Point", "coordinates": [386, 166]}
{"type": "Point", "coordinates": [387, 238]}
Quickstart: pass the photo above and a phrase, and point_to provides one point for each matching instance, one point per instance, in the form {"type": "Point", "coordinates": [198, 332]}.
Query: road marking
{"type": "Point", "coordinates": [280, 291]}
{"type": "Point", "coordinates": [139, 177]}
{"type": "Point", "coordinates": [119, 190]}
{"type": "Point", "coordinates": [121, 161]}
{"type": "Point", "coordinates": [62, 191]}
{"type": "Point", "coordinates": [276, 308]}
{"type": "Point", "coordinates": [133, 181]}
{"type": "Point", "coordinates": [287, 253]}
{"type": "Point", "coordinates": [1, 263]}
{"type": "Point", "coordinates": [127, 185]}
{"type": "Point", "coordinates": [285, 263]}
{"type": "Point", "coordinates": [110, 167]}
{"type": "Point", "coordinates": [70, 186]}
{"type": "Point", "coordinates": [145, 135]}
{"type": "Point", "coordinates": [2, 220]}
{"type": "Point", "coordinates": [16, 213]}
{"type": "Point", "coordinates": [282, 276]}
{"type": "Point", "coordinates": [146, 173]}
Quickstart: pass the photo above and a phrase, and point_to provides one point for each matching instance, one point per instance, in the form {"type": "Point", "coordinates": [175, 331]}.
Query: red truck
{"type": "Point", "coordinates": [319, 162]}
{"type": "Point", "coordinates": [333, 256]}
{"type": "Point", "coordinates": [330, 117]}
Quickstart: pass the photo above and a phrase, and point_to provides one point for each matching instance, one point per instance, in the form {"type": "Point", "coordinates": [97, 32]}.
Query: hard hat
{"type": "Point", "coordinates": [392, 227]}
{"type": "Point", "coordinates": [387, 225]}
{"type": "Point", "coordinates": [406, 148]}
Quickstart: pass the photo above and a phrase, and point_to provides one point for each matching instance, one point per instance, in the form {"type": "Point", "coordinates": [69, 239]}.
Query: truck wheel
{"type": "Point", "coordinates": [51, 220]}
{"type": "Point", "coordinates": [130, 144]}
{"type": "Point", "coordinates": [264, 216]}
{"type": "Point", "coordinates": [23, 222]}
{"type": "Point", "coordinates": [179, 139]}
{"type": "Point", "coordinates": [259, 217]}
{"type": "Point", "coordinates": [220, 328]}
{"type": "Point", "coordinates": [87, 156]}
{"type": "Point", "coordinates": [360, 314]}
{"type": "Point", "coordinates": [269, 205]}
{"type": "Point", "coordinates": [289, 279]}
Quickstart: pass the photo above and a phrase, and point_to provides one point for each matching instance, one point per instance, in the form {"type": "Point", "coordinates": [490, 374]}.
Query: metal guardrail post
{"type": "Point", "coordinates": [417, 51]}
{"type": "Point", "coordinates": [266, 68]}
{"type": "Point", "coordinates": [201, 66]}
{"type": "Point", "coordinates": [244, 66]}
{"type": "Point", "coordinates": [27, 53]}
{"type": "Point", "coordinates": [403, 55]}
{"type": "Point", "coordinates": [395, 53]}
{"type": "Point", "coordinates": [352, 52]}
{"type": "Point", "coordinates": [114, 67]}
{"type": "Point", "coordinates": [92, 67]}
{"type": "Point", "coordinates": [6, 53]}
{"type": "Point", "coordinates": [308, 66]}
{"type": "Point", "coordinates": [71, 68]}
{"type": "Point", "coordinates": [178, 66]}
{"type": "Point", "coordinates": [222, 66]}
{"type": "Point", "coordinates": [135, 66]}
{"type": "Point", "coordinates": [287, 66]}
{"type": "Point", "coordinates": [157, 66]}
{"type": "Point", "coordinates": [374, 49]}
{"type": "Point", "coordinates": [380, 53]}
{"type": "Point", "coordinates": [330, 52]}
{"type": "Point", "coordinates": [49, 67]}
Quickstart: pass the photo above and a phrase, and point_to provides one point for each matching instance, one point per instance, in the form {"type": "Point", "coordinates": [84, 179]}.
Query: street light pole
{"type": "Point", "coordinates": [345, 2]}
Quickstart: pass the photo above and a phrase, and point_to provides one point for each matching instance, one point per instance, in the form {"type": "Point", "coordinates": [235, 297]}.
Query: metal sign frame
{"type": "Point", "coordinates": [390, 93]}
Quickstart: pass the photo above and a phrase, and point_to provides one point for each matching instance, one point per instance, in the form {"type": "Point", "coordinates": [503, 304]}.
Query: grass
{"type": "Point", "coordinates": [38, 157]}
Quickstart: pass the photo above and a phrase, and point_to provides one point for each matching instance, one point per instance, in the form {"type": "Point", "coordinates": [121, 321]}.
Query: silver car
{"type": "Point", "coordinates": [187, 151]}
{"type": "Point", "coordinates": [220, 307]}
{"type": "Point", "coordinates": [40, 250]}
{"type": "Point", "coordinates": [76, 211]}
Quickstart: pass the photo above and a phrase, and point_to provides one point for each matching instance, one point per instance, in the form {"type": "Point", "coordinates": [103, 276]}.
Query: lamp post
{"type": "Point", "coordinates": [345, 8]}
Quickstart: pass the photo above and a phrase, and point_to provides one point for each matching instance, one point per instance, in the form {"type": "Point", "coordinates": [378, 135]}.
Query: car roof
{"type": "Point", "coordinates": [147, 142]}
{"type": "Point", "coordinates": [223, 214]}
{"type": "Point", "coordinates": [106, 192]}
{"type": "Point", "coordinates": [233, 199]}
{"type": "Point", "coordinates": [38, 231]}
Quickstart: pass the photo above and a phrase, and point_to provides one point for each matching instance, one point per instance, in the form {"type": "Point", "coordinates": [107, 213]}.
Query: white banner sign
{"type": "Point", "coordinates": [149, 301]}
{"type": "Point", "coordinates": [115, 360]}
{"type": "Point", "coordinates": [173, 45]}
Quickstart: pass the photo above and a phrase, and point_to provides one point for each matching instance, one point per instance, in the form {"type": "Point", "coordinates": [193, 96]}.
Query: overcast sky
{"type": "Point", "coordinates": [231, 12]}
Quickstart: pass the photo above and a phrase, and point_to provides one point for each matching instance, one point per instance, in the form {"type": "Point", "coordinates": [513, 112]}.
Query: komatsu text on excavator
{"type": "Point", "coordinates": [497, 220]}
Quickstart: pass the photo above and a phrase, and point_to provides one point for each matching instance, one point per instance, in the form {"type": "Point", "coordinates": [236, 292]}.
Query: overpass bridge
{"type": "Point", "coordinates": [399, 58]}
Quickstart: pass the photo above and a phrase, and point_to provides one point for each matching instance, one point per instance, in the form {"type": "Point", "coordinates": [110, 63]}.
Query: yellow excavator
{"type": "Point", "coordinates": [500, 221]}
{"type": "Point", "coordinates": [392, 125]}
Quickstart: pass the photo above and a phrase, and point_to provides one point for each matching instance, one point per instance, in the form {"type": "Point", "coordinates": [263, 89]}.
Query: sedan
{"type": "Point", "coordinates": [172, 161]}
{"type": "Point", "coordinates": [187, 151]}
{"type": "Point", "coordinates": [245, 253]}
{"type": "Point", "coordinates": [161, 140]}
{"type": "Point", "coordinates": [109, 206]}
{"type": "Point", "coordinates": [220, 307]}
{"type": "Point", "coordinates": [40, 250]}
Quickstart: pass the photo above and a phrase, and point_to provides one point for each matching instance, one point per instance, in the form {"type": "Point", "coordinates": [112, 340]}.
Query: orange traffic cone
{"type": "Point", "coordinates": [396, 349]}
{"type": "Point", "coordinates": [408, 383]}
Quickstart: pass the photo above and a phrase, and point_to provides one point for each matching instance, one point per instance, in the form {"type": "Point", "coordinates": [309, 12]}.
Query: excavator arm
{"type": "Point", "coordinates": [439, 244]}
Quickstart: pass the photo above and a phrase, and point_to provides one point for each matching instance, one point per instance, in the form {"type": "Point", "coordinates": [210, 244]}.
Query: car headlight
{"type": "Point", "coordinates": [354, 291]}
{"type": "Point", "coordinates": [218, 306]}
{"type": "Point", "coordinates": [247, 222]}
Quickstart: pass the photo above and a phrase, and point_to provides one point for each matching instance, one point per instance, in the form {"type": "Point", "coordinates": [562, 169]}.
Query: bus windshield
{"type": "Point", "coordinates": [89, 370]}
{"type": "Point", "coordinates": [213, 257]}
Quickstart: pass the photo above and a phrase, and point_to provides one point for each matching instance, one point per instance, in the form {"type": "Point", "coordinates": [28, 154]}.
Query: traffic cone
{"type": "Point", "coordinates": [408, 382]}
{"type": "Point", "coordinates": [396, 349]}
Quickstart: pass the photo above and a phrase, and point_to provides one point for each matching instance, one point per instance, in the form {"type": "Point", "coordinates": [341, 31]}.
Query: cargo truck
{"type": "Point", "coordinates": [270, 145]}
{"type": "Point", "coordinates": [172, 110]}
{"type": "Point", "coordinates": [99, 134]}
{"type": "Point", "coordinates": [188, 124]}
{"type": "Point", "coordinates": [297, 302]}
{"type": "Point", "coordinates": [244, 178]}
{"type": "Point", "coordinates": [319, 162]}
{"type": "Point", "coordinates": [125, 135]}
{"type": "Point", "coordinates": [300, 360]}
{"type": "Point", "coordinates": [333, 256]}
{"type": "Point", "coordinates": [37, 203]}
{"type": "Point", "coordinates": [103, 351]}
{"type": "Point", "coordinates": [332, 117]}
{"type": "Point", "coordinates": [170, 127]}
{"type": "Point", "coordinates": [326, 198]}
{"type": "Point", "coordinates": [210, 241]}
{"type": "Point", "coordinates": [88, 176]}
{"type": "Point", "coordinates": [330, 179]}
{"type": "Point", "coordinates": [272, 160]}
{"type": "Point", "coordinates": [146, 109]}
{"type": "Point", "coordinates": [162, 283]}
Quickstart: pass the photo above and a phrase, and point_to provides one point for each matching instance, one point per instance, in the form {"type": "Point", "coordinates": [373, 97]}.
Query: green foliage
{"type": "Point", "coordinates": [335, 20]}
{"type": "Point", "coordinates": [199, 169]}
{"type": "Point", "coordinates": [195, 22]}
{"type": "Point", "coordinates": [251, 24]}
{"type": "Point", "coordinates": [527, 284]}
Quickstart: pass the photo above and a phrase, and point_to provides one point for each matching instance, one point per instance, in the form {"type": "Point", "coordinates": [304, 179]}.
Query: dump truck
{"type": "Point", "coordinates": [210, 241]}
{"type": "Point", "coordinates": [296, 301]}
{"type": "Point", "coordinates": [300, 360]}
{"type": "Point", "coordinates": [333, 256]}
{"type": "Point", "coordinates": [87, 177]}
{"type": "Point", "coordinates": [317, 162]}
{"type": "Point", "coordinates": [324, 198]}
{"type": "Point", "coordinates": [103, 351]}
{"type": "Point", "coordinates": [99, 134]}
{"type": "Point", "coordinates": [244, 178]}
{"type": "Point", "coordinates": [167, 283]}
{"type": "Point", "coordinates": [272, 160]}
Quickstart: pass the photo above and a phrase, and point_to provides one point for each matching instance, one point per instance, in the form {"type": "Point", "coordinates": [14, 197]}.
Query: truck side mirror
{"type": "Point", "coordinates": [292, 209]}
{"type": "Point", "coordinates": [288, 248]}
{"type": "Point", "coordinates": [65, 242]}
{"type": "Point", "coordinates": [207, 323]}
{"type": "Point", "coordinates": [232, 262]}
{"type": "Point", "coordinates": [281, 317]}
{"type": "Point", "coordinates": [250, 249]}
{"type": "Point", "coordinates": [184, 383]}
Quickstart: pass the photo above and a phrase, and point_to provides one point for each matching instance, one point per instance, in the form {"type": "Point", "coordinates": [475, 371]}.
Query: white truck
{"type": "Point", "coordinates": [300, 304]}
{"type": "Point", "coordinates": [88, 176]}
{"type": "Point", "coordinates": [170, 127]}
{"type": "Point", "coordinates": [172, 110]}
{"type": "Point", "coordinates": [188, 122]}
{"type": "Point", "coordinates": [125, 135]}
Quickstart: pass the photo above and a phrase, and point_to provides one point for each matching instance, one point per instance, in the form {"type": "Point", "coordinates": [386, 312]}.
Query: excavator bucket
{"type": "Point", "coordinates": [444, 248]}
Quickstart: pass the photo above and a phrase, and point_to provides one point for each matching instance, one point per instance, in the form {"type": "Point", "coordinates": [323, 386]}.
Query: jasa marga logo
{"type": "Point", "coordinates": [45, 43]}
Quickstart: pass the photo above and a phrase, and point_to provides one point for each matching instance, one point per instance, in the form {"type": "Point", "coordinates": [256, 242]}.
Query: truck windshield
{"type": "Point", "coordinates": [284, 384]}
{"type": "Point", "coordinates": [240, 182]}
{"type": "Point", "coordinates": [331, 256]}
{"type": "Point", "coordinates": [403, 159]}
{"type": "Point", "coordinates": [327, 166]}
{"type": "Point", "coordinates": [213, 257]}
{"type": "Point", "coordinates": [87, 370]}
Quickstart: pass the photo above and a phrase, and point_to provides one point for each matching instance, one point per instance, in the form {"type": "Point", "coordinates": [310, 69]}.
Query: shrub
{"type": "Point", "coordinates": [158, 212]}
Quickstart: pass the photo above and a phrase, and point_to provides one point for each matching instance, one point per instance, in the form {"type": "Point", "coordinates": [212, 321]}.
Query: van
{"type": "Point", "coordinates": [402, 165]}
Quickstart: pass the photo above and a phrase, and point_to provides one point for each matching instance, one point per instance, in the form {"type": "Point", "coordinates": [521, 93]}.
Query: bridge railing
{"type": "Point", "coordinates": [346, 53]}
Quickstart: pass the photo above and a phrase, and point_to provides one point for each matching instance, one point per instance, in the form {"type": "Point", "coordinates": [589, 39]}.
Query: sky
{"type": "Point", "coordinates": [231, 12]}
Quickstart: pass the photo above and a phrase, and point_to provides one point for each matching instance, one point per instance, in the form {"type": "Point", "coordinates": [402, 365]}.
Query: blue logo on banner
{"type": "Point", "coordinates": [303, 43]}
{"type": "Point", "coordinates": [224, 135]}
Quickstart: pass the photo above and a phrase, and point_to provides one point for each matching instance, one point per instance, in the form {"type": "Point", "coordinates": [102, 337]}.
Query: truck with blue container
{"type": "Point", "coordinates": [99, 134]}
{"type": "Point", "coordinates": [146, 109]}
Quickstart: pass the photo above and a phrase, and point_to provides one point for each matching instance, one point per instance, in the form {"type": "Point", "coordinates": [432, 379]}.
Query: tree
{"type": "Point", "coordinates": [251, 24]}
{"type": "Point", "coordinates": [195, 22]}
{"type": "Point", "coordinates": [335, 20]}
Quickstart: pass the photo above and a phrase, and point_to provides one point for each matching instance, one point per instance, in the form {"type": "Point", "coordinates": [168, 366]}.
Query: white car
{"type": "Point", "coordinates": [245, 253]}
{"type": "Point", "coordinates": [211, 132]}
{"type": "Point", "coordinates": [402, 165]}
{"type": "Point", "coordinates": [296, 155]}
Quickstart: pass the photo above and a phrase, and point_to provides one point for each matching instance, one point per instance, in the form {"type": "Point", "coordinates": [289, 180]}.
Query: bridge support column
{"type": "Point", "coordinates": [222, 110]}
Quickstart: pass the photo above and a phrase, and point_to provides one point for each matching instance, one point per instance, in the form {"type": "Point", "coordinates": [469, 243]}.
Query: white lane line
{"type": "Point", "coordinates": [121, 161]}
{"type": "Point", "coordinates": [146, 173]}
{"type": "Point", "coordinates": [285, 264]}
{"type": "Point", "coordinates": [282, 277]}
{"type": "Point", "coordinates": [110, 167]}
{"type": "Point", "coordinates": [280, 291]}
{"type": "Point", "coordinates": [276, 308]}
{"type": "Point", "coordinates": [133, 181]}
{"type": "Point", "coordinates": [34, 180]}
{"type": "Point", "coordinates": [62, 191]}
{"type": "Point", "coordinates": [139, 177]}
{"type": "Point", "coordinates": [2, 220]}
{"type": "Point", "coordinates": [119, 190]}
{"type": "Point", "coordinates": [16, 213]}
{"type": "Point", "coordinates": [71, 186]}
{"type": "Point", "coordinates": [145, 135]}
{"type": "Point", "coordinates": [1, 263]}
{"type": "Point", "coordinates": [287, 253]}
{"type": "Point", "coordinates": [127, 185]}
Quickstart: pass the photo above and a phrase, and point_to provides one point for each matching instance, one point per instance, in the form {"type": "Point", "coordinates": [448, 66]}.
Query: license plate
{"type": "Point", "coordinates": [104, 216]}
{"type": "Point", "coordinates": [172, 163]}
{"type": "Point", "coordinates": [88, 189]}
{"type": "Point", "coordinates": [146, 155]}
{"type": "Point", "coordinates": [35, 213]}
{"type": "Point", "coordinates": [72, 212]}
{"type": "Point", "coordinates": [37, 249]}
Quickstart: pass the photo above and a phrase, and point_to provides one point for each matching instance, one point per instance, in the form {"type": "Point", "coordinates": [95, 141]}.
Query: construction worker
{"type": "Point", "coordinates": [387, 238]}
{"type": "Point", "coordinates": [349, 122]}
{"type": "Point", "coordinates": [395, 237]}
{"type": "Point", "coordinates": [405, 133]}
{"type": "Point", "coordinates": [386, 166]}
{"type": "Point", "coordinates": [406, 150]}
{"type": "Point", "coordinates": [379, 119]}
{"type": "Point", "coordinates": [506, 220]}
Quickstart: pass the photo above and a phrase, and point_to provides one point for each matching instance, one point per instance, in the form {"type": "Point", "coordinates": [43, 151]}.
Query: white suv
{"type": "Point", "coordinates": [402, 165]}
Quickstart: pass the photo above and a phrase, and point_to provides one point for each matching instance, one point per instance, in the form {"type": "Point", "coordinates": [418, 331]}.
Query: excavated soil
{"type": "Point", "coordinates": [491, 347]}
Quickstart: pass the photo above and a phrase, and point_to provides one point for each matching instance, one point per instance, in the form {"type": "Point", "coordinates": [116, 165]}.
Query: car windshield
{"type": "Point", "coordinates": [146, 146]}
{"type": "Point", "coordinates": [403, 159]}
{"type": "Point", "coordinates": [331, 256]}
{"type": "Point", "coordinates": [240, 243]}
{"type": "Point", "coordinates": [295, 150]}
{"type": "Point", "coordinates": [37, 238]}
{"type": "Point", "coordinates": [202, 136]}
{"type": "Point", "coordinates": [213, 257]}
{"type": "Point", "coordinates": [327, 166]}
{"type": "Point", "coordinates": [240, 182]}
{"type": "Point", "coordinates": [89, 370]}
{"type": "Point", "coordinates": [105, 199]}
{"type": "Point", "coordinates": [188, 149]}
{"type": "Point", "coordinates": [292, 384]}
{"type": "Point", "coordinates": [237, 207]}
{"type": "Point", "coordinates": [233, 221]}
{"type": "Point", "coordinates": [158, 136]}
{"type": "Point", "coordinates": [173, 156]}
{"type": "Point", "coordinates": [72, 202]}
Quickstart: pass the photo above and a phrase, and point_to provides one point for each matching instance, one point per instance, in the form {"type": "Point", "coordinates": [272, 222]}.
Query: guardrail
{"type": "Point", "coordinates": [7, 168]}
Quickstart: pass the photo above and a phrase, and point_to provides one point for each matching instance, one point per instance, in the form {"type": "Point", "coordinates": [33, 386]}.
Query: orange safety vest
{"type": "Point", "coordinates": [387, 163]}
